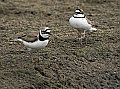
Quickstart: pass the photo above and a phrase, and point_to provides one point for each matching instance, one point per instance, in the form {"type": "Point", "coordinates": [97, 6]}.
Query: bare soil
{"type": "Point", "coordinates": [66, 62]}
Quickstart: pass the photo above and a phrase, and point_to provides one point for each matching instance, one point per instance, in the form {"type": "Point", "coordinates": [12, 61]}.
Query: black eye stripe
{"type": "Point", "coordinates": [47, 32]}
{"type": "Point", "coordinates": [44, 32]}
{"type": "Point", "coordinates": [79, 12]}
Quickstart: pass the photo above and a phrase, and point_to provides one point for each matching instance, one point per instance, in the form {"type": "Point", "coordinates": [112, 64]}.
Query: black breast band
{"type": "Point", "coordinates": [41, 38]}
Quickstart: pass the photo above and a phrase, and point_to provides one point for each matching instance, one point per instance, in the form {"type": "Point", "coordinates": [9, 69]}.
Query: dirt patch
{"type": "Point", "coordinates": [66, 63]}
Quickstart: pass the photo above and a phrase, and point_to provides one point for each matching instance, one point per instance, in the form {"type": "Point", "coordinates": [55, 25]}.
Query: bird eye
{"type": "Point", "coordinates": [77, 12]}
{"type": "Point", "coordinates": [45, 32]}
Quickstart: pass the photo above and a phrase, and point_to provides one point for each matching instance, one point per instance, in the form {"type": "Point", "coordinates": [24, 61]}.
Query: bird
{"type": "Point", "coordinates": [40, 41]}
{"type": "Point", "coordinates": [81, 23]}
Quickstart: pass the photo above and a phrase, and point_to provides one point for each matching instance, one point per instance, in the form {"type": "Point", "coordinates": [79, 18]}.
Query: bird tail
{"type": "Point", "coordinates": [93, 29]}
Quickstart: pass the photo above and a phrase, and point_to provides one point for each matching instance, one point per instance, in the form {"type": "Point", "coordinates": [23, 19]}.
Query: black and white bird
{"type": "Point", "coordinates": [80, 22]}
{"type": "Point", "coordinates": [40, 41]}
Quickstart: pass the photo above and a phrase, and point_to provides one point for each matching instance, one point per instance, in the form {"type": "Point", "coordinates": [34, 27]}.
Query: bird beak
{"type": "Point", "coordinates": [50, 34]}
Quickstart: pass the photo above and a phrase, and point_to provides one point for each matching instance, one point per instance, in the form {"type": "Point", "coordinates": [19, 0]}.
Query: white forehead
{"type": "Point", "coordinates": [47, 29]}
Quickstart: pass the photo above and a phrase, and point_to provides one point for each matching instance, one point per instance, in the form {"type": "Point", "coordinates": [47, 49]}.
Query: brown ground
{"type": "Point", "coordinates": [65, 63]}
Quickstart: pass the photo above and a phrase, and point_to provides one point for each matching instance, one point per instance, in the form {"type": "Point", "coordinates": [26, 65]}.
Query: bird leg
{"type": "Point", "coordinates": [29, 49]}
{"type": "Point", "coordinates": [80, 35]}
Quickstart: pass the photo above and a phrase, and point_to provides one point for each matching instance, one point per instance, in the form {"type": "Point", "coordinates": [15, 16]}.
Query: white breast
{"type": "Point", "coordinates": [80, 23]}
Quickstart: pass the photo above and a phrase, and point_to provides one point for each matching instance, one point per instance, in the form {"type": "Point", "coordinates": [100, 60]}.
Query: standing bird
{"type": "Point", "coordinates": [40, 41]}
{"type": "Point", "coordinates": [81, 23]}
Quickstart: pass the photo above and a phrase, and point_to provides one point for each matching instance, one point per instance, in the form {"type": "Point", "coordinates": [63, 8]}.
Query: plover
{"type": "Point", "coordinates": [40, 41]}
{"type": "Point", "coordinates": [80, 22]}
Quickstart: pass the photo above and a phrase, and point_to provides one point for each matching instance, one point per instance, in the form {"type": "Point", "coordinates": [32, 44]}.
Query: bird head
{"type": "Point", "coordinates": [78, 11]}
{"type": "Point", "coordinates": [45, 32]}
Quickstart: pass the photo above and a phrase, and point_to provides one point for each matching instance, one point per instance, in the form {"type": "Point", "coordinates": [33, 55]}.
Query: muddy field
{"type": "Point", "coordinates": [66, 62]}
